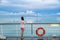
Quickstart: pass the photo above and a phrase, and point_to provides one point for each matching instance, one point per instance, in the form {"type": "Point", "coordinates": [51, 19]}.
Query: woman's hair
{"type": "Point", "coordinates": [22, 18]}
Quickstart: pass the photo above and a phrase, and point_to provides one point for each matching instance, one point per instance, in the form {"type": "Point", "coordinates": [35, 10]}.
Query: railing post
{"type": "Point", "coordinates": [32, 31]}
{"type": "Point", "coordinates": [16, 30]}
{"type": "Point", "coordinates": [1, 30]}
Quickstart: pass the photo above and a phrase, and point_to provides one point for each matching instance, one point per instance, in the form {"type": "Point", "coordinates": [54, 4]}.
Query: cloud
{"type": "Point", "coordinates": [4, 2]}
{"type": "Point", "coordinates": [58, 13]}
{"type": "Point", "coordinates": [53, 14]}
{"type": "Point", "coordinates": [33, 4]}
{"type": "Point", "coordinates": [27, 13]}
{"type": "Point", "coordinates": [36, 16]}
{"type": "Point", "coordinates": [30, 20]}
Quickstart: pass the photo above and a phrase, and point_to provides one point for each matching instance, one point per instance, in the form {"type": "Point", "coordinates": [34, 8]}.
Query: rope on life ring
{"type": "Point", "coordinates": [40, 28]}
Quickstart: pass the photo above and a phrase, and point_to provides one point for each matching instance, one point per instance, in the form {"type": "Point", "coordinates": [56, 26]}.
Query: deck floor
{"type": "Point", "coordinates": [34, 39]}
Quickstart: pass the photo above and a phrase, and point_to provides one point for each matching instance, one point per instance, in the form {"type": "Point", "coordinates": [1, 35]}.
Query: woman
{"type": "Point", "coordinates": [22, 28]}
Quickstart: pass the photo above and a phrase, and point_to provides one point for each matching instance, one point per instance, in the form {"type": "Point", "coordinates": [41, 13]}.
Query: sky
{"type": "Point", "coordinates": [35, 10]}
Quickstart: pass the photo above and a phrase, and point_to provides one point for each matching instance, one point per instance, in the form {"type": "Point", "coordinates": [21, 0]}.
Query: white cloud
{"type": "Point", "coordinates": [27, 13]}
{"type": "Point", "coordinates": [30, 21]}
{"type": "Point", "coordinates": [4, 2]}
{"type": "Point", "coordinates": [31, 12]}
{"type": "Point", "coordinates": [32, 4]}
{"type": "Point", "coordinates": [58, 13]}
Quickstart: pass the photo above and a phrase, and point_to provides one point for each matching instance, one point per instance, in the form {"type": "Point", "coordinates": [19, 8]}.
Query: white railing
{"type": "Point", "coordinates": [16, 29]}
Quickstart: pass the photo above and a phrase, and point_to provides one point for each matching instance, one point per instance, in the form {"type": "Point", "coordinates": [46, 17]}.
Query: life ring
{"type": "Point", "coordinates": [40, 28]}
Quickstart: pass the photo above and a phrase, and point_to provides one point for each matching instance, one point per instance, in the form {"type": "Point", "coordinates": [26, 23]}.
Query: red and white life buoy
{"type": "Point", "coordinates": [40, 28]}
